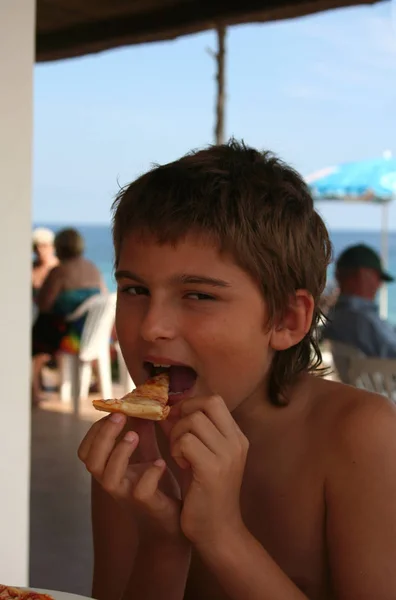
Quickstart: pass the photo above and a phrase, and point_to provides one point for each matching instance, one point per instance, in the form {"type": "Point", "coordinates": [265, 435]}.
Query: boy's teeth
{"type": "Point", "coordinates": [158, 365]}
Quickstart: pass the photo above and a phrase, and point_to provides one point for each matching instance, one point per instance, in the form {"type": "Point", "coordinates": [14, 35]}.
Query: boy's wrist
{"type": "Point", "coordinates": [155, 540]}
{"type": "Point", "coordinates": [227, 543]}
{"type": "Point", "coordinates": [167, 532]}
{"type": "Point", "coordinates": [169, 553]}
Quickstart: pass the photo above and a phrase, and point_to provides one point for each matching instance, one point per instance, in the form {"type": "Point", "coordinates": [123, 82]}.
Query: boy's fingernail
{"type": "Point", "coordinates": [159, 463]}
{"type": "Point", "coordinates": [130, 436]}
{"type": "Point", "coordinates": [116, 418]}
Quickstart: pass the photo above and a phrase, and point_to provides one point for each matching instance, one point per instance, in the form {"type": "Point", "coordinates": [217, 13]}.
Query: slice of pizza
{"type": "Point", "coordinates": [147, 401]}
{"type": "Point", "coordinates": [12, 593]}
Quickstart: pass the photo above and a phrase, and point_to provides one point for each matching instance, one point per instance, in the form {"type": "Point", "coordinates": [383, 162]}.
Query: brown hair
{"type": "Point", "coordinates": [255, 207]}
{"type": "Point", "coordinates": [68, 244]}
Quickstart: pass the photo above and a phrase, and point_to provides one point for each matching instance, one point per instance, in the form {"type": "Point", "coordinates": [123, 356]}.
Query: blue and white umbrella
{"type": "Point", "coordinates": [363, 181]}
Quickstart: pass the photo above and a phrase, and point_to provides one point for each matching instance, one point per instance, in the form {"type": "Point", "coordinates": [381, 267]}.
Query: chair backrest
{"type": "Point", "coordinates": [342, 357]}
{"type": "Point", "coordinates": [83, 308]}
{"type": "Point", "coordinates": [98, 325]}
{"type": "Point", "coordinates": [375, 375]}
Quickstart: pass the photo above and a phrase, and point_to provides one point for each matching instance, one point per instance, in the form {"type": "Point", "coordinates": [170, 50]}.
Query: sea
{"type": "Point", "coordinates": [99, 249]}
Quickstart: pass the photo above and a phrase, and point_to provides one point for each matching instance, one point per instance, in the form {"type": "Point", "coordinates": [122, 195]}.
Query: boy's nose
{"type": "Point", "coordinates": [158, 323]}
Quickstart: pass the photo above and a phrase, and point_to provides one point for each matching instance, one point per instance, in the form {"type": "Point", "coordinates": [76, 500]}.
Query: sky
{"type": "Point", "coordinates": [318, 91]}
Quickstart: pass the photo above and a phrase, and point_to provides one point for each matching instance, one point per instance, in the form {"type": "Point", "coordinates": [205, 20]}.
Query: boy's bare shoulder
{"type": "Point", "coordinates": [358, 437]}
{"type": "Point", "coordinates": [346, 401]}
{"type": "Point", "coordinates": [352, 417]}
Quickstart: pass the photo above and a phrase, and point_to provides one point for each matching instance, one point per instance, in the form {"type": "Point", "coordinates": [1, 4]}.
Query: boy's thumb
{"type": "Point", "coordinates": [148, 445]}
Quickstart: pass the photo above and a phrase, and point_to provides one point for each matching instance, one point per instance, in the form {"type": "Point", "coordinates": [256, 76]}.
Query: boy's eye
{"type": "Point", "coordinates": [199, 296]}
{"type": "Point", "coordinates": [135, 290]}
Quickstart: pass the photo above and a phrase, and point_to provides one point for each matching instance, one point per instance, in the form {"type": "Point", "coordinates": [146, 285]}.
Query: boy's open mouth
{"type": "Point", "coordinates": [181, 377]}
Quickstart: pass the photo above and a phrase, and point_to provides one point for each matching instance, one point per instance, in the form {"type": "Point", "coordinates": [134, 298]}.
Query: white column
{"type": "Point", "coordinates": [17, 25]}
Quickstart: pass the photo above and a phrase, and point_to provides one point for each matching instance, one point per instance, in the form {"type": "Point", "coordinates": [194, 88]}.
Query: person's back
{"type": "Point", "coordinates": [80, 280]}
{"type": "Point", "coordinates": [265, 482]}
{"type": "Point", "coordinates": [74, 280]}
{"type": "Point", "coordinates": [355, 320]}
{"type": "Point", "coordinates": [80, 273]}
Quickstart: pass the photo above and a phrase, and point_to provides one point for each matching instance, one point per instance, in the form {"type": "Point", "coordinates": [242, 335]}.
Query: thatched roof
{"type": "Point", "coordinates": [67, 28]}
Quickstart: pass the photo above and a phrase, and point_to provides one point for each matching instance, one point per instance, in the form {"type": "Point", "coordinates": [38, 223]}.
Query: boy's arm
{"type": "Point", "coordinates": [361, 503]}
{"type": "Point", "coordinates": [115, 543]}
{"type": "Point", "coordinates": [160, 571]}
{"type": "Point", "coordinates": [245, 570]}
{"type": "Point", "coordinates": [126, 567]}
{"type": "Point", "coordinates": [207, 438]}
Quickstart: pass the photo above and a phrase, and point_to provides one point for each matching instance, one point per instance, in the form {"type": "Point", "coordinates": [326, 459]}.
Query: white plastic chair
{"type": "Point", "coordinates": [126, 382]}
{"type": "Point", "coordinates": [76, 369]}
{"type": "Point", "coordinates": [375, 375]}
{"type": "Point", "coordinates": [343, 354]}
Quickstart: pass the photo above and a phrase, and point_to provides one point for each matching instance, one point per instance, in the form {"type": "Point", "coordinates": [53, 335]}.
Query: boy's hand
{"type": "Point", "coordinates": [207, 439]}
{"type": "Point", "coordinates": [135, 485]}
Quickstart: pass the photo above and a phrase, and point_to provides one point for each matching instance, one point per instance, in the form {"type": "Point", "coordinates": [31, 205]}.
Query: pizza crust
{"type": "Point", "coordinates": [142, 408]}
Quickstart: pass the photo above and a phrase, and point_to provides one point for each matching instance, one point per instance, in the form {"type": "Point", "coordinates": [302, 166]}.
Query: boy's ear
{"type": "Point", "coordinates": [295, 323]}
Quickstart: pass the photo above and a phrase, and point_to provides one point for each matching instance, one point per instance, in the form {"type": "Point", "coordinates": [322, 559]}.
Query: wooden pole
{"type": "Point", "coordinates": [220, 78]}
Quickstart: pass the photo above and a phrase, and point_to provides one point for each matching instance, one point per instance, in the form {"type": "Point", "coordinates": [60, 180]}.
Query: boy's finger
{"type": "Point", "coordinates": [146, 491]}
{"type": "Point", "coordinates": [202, 427]}
{"type": "Point", "coordinates": [86, 443]}
{"type": "Point", "coordinates": [215, 408]}
{"type": "Point", "coordinates": [103, 444]}
{"type": "Point", "coordinates": [168, 424]}
{"type": "Point", "coordinates": [148, 445]}
{"type": "Point", "coordinates": [153, 501]}
{"type": "Point", "coordinates": [189, 450]}
{"type": "Point", "coordinates": [118, 462]}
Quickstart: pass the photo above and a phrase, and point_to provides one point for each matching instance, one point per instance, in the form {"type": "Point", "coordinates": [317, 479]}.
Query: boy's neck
{"type": "Point", "coordinates": [257, 411]}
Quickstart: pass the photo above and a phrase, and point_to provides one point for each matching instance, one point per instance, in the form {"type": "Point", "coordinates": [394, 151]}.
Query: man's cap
{"type": "Point", "coordinates": [362, 256]}
{"type": "Point", "coordinates": [42, 235]}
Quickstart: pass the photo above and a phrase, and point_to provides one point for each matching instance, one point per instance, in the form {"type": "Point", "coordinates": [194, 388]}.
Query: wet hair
{"type": "Point", "coordinates": [68, 244]}
{"type": "Point", "coordinates": [252, 205]}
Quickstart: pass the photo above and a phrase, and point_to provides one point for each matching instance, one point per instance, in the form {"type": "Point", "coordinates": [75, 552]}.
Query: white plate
{"type": "Point", "coordinates": [60, 595]}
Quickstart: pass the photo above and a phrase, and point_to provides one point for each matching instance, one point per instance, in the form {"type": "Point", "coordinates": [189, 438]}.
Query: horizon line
{"type": "Point", "coordinates": [71, 223]}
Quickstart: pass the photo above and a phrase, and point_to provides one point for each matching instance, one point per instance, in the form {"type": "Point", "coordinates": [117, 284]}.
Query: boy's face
{"type": "Point", "coordinates": [191, 305]}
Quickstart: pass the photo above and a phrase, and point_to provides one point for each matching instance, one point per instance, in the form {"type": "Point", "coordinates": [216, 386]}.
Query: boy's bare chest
{"type": "Point", "coordinates": [283, 507]}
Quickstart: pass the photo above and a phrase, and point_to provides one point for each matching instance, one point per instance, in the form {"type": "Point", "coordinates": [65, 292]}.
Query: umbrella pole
{"type": "Point", "coordinates": [385, 255]}
{"type": "Point", "coordinates": [219, 56]}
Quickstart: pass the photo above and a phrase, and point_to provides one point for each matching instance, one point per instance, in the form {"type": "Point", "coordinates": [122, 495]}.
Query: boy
{"type": "Point", "coordinates": [267, 482]}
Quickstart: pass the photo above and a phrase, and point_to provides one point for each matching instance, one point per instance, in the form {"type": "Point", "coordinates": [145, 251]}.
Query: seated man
{"type": "Point", "coordinates": [354, 320]}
